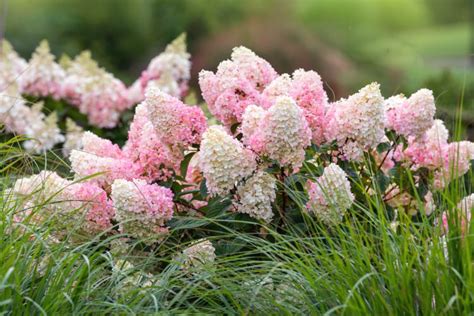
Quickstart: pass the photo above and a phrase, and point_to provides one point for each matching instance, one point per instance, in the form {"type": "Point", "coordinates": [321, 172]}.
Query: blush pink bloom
{"type": "Point", "coordinates": [96, 145]}
{"type": "Point", "coordinates": [429, 150]}
{"type": "Point", "coordinates": [175, 123]}
{"type": "Point", "coordinates": [306, 88]}
{"type": "Point", "coordinates": [94, 91]}
{"type": "Point", "coordinates": [99, 209]}
{"type": "Point", "coordinates": [101, 156]}
{"type": "Point", "coordinates": [412, 116]}
{"type": "Point", "coordinates": [237, 83]}
{"type": "Point", "coordinates": [154, 159]}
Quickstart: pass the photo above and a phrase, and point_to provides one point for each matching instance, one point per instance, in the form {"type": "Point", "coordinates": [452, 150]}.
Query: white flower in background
{"type": "Point", "coordinates": [11, 66]}
{"type": "Point", "coordinates": [43, 131]}
{"type": "Point", "coordinates": [170, 71]}
{"type": "Point", "coordinates": [43, 76]}
{"type": "Point", "coordinates": [18, 118]}
{"type": "Point", "coordinates": [96, 92]}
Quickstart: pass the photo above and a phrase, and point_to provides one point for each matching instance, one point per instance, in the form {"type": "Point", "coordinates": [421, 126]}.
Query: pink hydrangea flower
{"type": "Point", "coordinates": [102, 170]}
{"type": "Point", "coordinates": [96, 145]}
{"type": "Point", "coordinates": [96, 93]}
{"type": "Point", "coordinates": [175, 123]}
{"type": "Point", "coordinates": [101, 156]}
{"type": "Point", "coordinates": [237, 83]}
{"type": "Point", "coordinates": [412, 116]}
{"type": "Point", "coordinates": [154, 159]}
{"type": "Point", "coordinates": [84, 205]}
{"type": "Point", "coordinates": [429, 150]}
{"type": "Point", "coordinates": [99, 209]}
{"type": "Point", "coordinates": [457, 159]}
{"type": "Point", "coordinates": [306, 88]}
{"type": "Point", "coordinates": [432, 151]}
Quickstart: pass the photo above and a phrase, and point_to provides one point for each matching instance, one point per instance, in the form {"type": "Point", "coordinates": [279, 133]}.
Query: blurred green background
{"type": "Point", "coordinates": [403, 44]}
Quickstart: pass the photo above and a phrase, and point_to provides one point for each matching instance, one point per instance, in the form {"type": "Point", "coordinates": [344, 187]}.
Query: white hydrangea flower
{"type": "Point", "coordinates": [281, 86]}
{"type": "Point", "coordinates": [286, 133]}
{"type": "Point", "coordinates": [46, 182]}
{"type": "Point", "coordinates": [15, 115]}
{"type": "Point", "coordinates": [438, 134]}
{"type": "Point", "coordinates": [357, 123]}
{"type": "Point", "coordinates": [331, 196]}
{"type": "Point", "coordinates": [200, 254]}
{"type": "Point", "coordinates": [130, 277]}
{"type": "Point", "coordinates": [256, 195]}
{"type": "Point", "coordinates": [223, 160]}
{"type": "Point", "coordinates": [142, 209]}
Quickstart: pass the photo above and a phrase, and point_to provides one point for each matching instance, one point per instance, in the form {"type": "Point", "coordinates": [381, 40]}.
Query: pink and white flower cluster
{"type": "Point", "coordinates": [169, 72]}
{"type": "Point", "coordinates": [94, 91]}
{"type": "Point", "coordinates": [90, 88]}
{"type": "Point", "coordinates": [126, 176]}
{"type": "Point", "coordinates": [67, 202]}
{"type": "Point", "coordinates": [271, 123]}
{"type": "Point", "coordinates": [154, 149]}
{"type": "Point", "coordinates": [432, 150]}
{"type": "Point", "coordinates": [18, 118]}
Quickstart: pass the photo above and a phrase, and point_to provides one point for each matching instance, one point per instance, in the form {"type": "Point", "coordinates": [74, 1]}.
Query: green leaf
{"type": "Point", "coordinates": [186, 223]}
{"type": "Point", "coordinates": [382, 147]}
{"type": "Point", "coordinates": [185, 164]}
{"type": "Point", "coordinates": [203, 188]}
